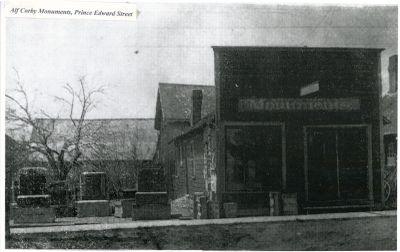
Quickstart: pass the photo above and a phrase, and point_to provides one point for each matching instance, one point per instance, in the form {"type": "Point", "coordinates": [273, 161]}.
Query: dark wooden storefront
{"type": "Point", "coordinates": [299, 120]}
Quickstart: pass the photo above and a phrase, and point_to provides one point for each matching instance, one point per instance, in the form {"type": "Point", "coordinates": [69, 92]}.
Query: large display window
{"type": "Point", "coordinates": [254, 158]}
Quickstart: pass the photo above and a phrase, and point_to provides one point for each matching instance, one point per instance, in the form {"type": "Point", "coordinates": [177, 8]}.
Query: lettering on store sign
{"type": "Point", "coordinates": [293, 104]}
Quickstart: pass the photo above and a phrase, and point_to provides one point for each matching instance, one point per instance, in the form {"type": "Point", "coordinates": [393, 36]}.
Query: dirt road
{"type": "Point", "coordinates": [373, 233]}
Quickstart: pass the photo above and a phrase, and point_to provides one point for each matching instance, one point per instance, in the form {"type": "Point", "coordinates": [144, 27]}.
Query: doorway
{"type": "Point", "coordinates": [337, 163]}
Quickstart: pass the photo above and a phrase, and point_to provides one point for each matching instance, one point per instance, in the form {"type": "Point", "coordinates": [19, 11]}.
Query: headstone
{"type": "Point", "coordinates": [151, 206]}
{"type": "Point", "coordinates": [32, 181]}
{"type": "Point", "coordinates": [203, 207]}
{"type": "Point", "coordinates": [93, 195]}
{"type": "Point", "coordinates": [128, 193]}
{"type": "Point", "coordinates": [93, 186]}
{"type": "Point", "coordinates": [213, 209]}
{"type": "Point", "coordinates": [230, 210]}
{"type": "Point", "coordinates": [289, 204]}
{"type": "Point", "coordinates": [33, 202]}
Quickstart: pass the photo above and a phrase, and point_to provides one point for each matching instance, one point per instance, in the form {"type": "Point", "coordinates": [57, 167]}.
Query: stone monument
{"type": "Point", "coordinates": [33, 202]}
{"type": "Point", "coordinates": [93, 195]}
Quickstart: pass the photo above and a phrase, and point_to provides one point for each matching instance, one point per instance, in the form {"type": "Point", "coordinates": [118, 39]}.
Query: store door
{"type": "Point", "coordinates": [337, 164]}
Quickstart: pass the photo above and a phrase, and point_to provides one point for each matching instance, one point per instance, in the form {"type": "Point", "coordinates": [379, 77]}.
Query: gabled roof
{"type": "Point", "coordinates": [174, 102]}
{"type": "Point", "coordinates": [389, 111]}
{"type": "Point", "coordinates": [117, 139]}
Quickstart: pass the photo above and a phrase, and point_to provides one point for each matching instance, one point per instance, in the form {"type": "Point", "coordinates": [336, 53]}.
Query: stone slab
{"type": "Point", "coordinates": [230, 209]}
{"type": "Point", "coordinates": [151, 212]}
{"type": "Point", "coordinates": [143, 198]}
{"type": "Point", "coordinates": [34, 215]}
{"type": "Point", "coordinates": [123, 208]}
{"type": "Point", "coordinates": [93, 208]}
{"type": "Point", "coordinates": [30, 201]}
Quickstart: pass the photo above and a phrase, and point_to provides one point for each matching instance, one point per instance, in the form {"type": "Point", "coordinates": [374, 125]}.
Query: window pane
{"type": "Point", "coordinates": [253, 158]}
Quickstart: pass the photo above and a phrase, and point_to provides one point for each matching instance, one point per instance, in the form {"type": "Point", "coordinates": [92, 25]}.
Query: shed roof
{"type": "Point", "coordinates": [174, 102]}
{"type": "Point", "coordinates": [197, 127]}
{"type": "Point", "coordinates": [118, 138]}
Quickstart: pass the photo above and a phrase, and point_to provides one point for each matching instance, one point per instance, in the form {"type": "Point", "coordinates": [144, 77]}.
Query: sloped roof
{"type": "Point", "coordinates": [111, 139]}
{"type": "Point", "coordinates": [18, 132]}
{"type": "Point", "coordinates": [207, 120]}
{"type": "Point", "coordinates": [174, 101]}
{"type": "Point", "coordinates": [389, 111]}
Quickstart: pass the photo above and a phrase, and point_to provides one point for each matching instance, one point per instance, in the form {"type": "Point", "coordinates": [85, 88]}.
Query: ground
{"type": "Point", "coordinates": [323, 232]}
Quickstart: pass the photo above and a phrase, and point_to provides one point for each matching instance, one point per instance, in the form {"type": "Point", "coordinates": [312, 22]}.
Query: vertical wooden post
{"type": "Point", "coordinates": [283, 130]}
{"type": "Point", "coordinates": [8, 202]}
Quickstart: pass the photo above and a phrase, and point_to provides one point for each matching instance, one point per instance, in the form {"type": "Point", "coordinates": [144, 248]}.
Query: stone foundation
{"type": "Point", "coordinates": [33, 215]}
{"type": "Point", "coordinates": [151, 212]}
{"type": "Point", "coordinates": [93, 208]}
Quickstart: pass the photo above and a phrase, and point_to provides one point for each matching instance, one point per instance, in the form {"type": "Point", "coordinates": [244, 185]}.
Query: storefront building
{"type": "Point", "coordinates": [299, 121]}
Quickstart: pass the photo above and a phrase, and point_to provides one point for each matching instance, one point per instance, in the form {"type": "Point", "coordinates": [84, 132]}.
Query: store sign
{"type": "Point", "coordinates": [301, 104]}
{"type": "Point", "coordinates": [309, 89]}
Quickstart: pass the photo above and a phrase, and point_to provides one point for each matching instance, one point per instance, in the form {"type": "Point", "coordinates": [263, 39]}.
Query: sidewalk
{"type": "Point", "coordinates": [108, 223]}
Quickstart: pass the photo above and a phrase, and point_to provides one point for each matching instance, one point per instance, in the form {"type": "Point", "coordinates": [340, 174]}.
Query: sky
{"type": "Point", "coordinates": [172, 43]}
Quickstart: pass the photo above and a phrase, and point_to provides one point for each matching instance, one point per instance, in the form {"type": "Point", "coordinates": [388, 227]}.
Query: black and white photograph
{"type": "Point", "coordinates": [199, 126]}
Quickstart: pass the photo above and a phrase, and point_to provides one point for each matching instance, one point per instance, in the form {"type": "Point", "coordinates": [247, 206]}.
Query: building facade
{"type": "Point", "coordinates": [389, 110]}
{"type": "Point", "coordinates": [195, 167]}
{"type": "Point", "coordinates": [173, 117]}
{"type": "Point", "coordinates": [304, 121]}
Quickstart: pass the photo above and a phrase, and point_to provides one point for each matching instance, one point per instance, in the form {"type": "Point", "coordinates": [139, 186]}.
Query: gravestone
{"type": "Point", "coordinates": [230, 209]}
{"type": "Point", "coordinates": [289, 203]}
{"type": "Point", "coordinates": [151, 206]}
{"type": "Point", "coordinates": [124, 207]}
{"type": "Point", "coordinates": [33, 202]}
{"type": "Point", "coordinates": [213, 209]}
{"type": "Point", "coordinates": [93, 186]}
{"type": "Point", "coordinates": [94, 195]}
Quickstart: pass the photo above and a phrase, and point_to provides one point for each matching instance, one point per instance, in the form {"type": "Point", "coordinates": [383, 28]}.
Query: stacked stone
{"type": "Point", "coordinates": [151, 206]}
{"type": "Point", "coordinates": [94, 196]}
{"type": "Point", "coordinates": [33, 204]}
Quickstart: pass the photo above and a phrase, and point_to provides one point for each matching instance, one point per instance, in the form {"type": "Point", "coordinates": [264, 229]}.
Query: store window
{"type": "Point", "coordinates": [253, 158]}
{"type": "Point", "coordinates": [391, 156]}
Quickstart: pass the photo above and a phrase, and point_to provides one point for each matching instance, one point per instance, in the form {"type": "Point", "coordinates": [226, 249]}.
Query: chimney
{"type": "Point", "coordinates": [392, 74]}
{"type": "Point", "coordinates": [197, 100]}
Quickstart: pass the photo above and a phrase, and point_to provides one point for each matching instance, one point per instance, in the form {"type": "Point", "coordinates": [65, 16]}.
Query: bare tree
{"type": "Point", "coordinates": [80, 101]}
{"type": "Point", "coordinates": [116, 152]}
